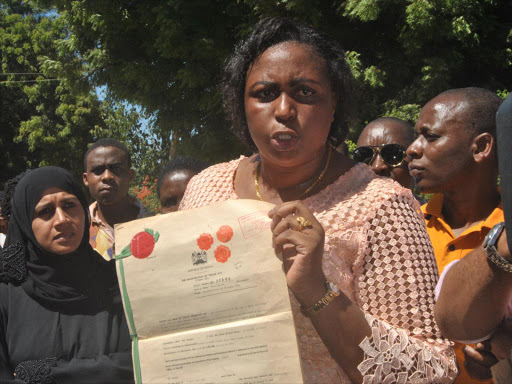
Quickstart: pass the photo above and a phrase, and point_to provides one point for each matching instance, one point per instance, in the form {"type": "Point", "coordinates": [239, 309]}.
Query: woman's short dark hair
{"type": "Point", "coordinates": [267, 33]}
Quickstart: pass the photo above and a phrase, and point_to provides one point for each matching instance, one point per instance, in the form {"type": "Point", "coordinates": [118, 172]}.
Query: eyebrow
{"type": "Point", "coordinates": [303, 80]}
{"type": "Point", "coordinates": [41, 206]}
{"type": "Point", "coordinates": [44, 205]}
{"type": "Point", "coordinates": [95, 166]}
{"type": "Point", "coordinates": [67, 199]}
{"type": "Point", "coordinates": [262, 82]}
{"type": "Point", "coordinates": [293, 83]}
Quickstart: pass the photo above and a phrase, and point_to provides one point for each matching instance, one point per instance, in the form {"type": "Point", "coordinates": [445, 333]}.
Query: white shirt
{"type": "Point", "coordinates": [438, 292]}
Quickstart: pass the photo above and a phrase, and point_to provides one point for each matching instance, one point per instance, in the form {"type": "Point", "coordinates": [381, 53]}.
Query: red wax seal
{"type": "Point", "coordinates": [142, 245]}
{"type": "Point", "coordinates": [222, 254]}
{"type": "Point", "coordinates": [205, 241]}
{"type": "Point", "coordinates": [225, 233]}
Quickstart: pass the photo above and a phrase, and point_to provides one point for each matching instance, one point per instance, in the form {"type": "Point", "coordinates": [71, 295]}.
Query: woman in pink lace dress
{"type": "Point", "coordinates": [357, 259]}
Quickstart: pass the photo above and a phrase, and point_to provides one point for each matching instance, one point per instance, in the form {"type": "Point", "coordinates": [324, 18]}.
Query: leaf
{"type": "Point", "coordinates": [125, 252]}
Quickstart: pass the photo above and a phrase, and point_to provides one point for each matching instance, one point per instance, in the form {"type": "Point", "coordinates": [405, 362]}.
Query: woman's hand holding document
{"type": "Point", "coordinates": [206, 298]}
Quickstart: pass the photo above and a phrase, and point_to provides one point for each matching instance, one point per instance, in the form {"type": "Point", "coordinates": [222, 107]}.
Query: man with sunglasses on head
{"type": "Point", "coordinates": [454, 157]}
{"type": "Point", "coordinates": [108, 174]}
{"type": "Point", "coordinates": [382, 145]}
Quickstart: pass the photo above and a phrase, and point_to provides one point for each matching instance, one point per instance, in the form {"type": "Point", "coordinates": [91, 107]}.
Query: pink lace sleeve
{"type": "Point", "coordinates": [394, 282]}
{"type": "Point", "coordinates": [213, 184]}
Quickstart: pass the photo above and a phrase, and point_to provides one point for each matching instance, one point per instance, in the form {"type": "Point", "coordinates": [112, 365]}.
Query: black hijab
{"type": "Point", "coordinates": [81, 281]}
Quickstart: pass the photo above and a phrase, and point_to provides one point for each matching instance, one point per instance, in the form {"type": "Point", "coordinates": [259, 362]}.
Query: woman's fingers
{"type": "Point", "coordinates": [304, 243]}
{"type": "Point", "coordinates": [284, 224]}
{"type": "Point", "coordinates": [295, 223]}
{"type": "Point", "coordinates": [291, 211]}
{"type": "Point", "coordinates": [299, 238]}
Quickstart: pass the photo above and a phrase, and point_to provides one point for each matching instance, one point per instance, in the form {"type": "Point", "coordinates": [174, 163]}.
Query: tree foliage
{"type": "Point", "coordinates": [167, 55]}
{"type": "Point", "coordinates": [45, 104]}
{"type": "Point", "coordinates": [50, 111]}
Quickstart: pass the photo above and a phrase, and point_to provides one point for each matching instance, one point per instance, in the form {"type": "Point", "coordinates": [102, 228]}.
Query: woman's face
{"type": "Point", "coordinates": [289, 104]}
{"type": "Point", "coordinates": [59, 221]}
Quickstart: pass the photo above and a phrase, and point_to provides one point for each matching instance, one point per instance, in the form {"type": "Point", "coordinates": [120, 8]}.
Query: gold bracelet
{"type": "Point", "coordinates": [332, 292]}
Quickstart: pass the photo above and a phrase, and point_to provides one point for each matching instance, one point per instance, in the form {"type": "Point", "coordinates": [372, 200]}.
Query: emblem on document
{"type": "Point", "coordinates": [199, 257]}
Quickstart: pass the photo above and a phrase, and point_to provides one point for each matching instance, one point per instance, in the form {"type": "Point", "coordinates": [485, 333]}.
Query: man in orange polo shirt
{"type": "Point", "coordinates": [454, 157]}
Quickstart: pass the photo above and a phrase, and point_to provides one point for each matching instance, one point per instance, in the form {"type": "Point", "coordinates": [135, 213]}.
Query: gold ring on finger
{"type": "Point", "coordinates": [303, 223]}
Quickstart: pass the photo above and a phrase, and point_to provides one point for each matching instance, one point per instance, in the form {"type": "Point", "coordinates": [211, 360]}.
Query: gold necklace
{"type": "Point", "coordinates": [320, 177]}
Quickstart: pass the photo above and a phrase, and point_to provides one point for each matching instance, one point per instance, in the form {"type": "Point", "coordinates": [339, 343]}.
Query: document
{"type": "Point", "coordinates": [206, 298]}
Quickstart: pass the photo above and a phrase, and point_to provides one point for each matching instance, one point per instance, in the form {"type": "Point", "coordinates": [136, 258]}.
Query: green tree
{"type": "Point", "coordinates": [54, 108]}
{"type": "Point", "coordinates": [167, 55]}
{"type": "Point", "coordinates": [166, 58]}
{"type": "Point", "coordinates": [13, 101]}
{"type": "Point", "coordinates": [123, 122]}
{"type": "Point", "coordinates": [50, 111]}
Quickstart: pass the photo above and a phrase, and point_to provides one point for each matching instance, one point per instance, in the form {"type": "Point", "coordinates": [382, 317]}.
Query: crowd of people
{"type": "Point", "coordinates": [365, 256]}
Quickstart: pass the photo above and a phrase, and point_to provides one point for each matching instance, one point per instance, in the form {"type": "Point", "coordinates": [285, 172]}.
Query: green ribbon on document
{"type": "Point", "coordinates": [133, 333]}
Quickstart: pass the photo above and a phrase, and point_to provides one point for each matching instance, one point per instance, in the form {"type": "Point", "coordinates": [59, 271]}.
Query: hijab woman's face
{"type": "Point", "coordinates": [289, 104]}
{"type": "Point", "coordinates": [59, 221]}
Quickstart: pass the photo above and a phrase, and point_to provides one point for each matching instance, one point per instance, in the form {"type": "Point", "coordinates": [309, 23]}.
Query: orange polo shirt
{"type": "Point", "coordinates": [448, 248]}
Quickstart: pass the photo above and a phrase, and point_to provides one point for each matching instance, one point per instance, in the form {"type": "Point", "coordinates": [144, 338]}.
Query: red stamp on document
{"type": "Point", "coordinates": [225, 233]}
{"type": "Point", "coordinates": [205, 241]}
{"type": "Point", "coordinates": [222, 254]}
{"type": "Point", "coordinates": [142, 244]}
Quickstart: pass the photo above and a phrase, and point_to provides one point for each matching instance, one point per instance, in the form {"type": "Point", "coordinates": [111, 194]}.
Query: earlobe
{"type": "Point", "coordinates": [84, 179]}
{"type": "Point", "coordinates": [482, 147]}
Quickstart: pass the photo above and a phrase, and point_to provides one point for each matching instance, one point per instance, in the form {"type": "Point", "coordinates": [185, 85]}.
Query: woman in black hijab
{"type": "Point", "coordinates": [61, 316]}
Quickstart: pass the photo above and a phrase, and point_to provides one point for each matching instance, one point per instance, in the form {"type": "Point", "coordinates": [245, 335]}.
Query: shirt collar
{"type": "Point", "coordinates": [93, 212]}
{"type": "Point", "coordinates": [95, 218]}
{"type": "Point", "coordinates": [496, 216]}
{"type": "Point", "coordinates": [434, 208]}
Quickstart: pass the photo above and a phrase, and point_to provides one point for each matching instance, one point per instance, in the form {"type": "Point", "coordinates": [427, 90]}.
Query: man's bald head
{"type": "Point", "coordinates": [477, 108]}
{"type": "Point", "coordinates": [386, 130]}
{"type": "Point", "coordinates": [455, 142]}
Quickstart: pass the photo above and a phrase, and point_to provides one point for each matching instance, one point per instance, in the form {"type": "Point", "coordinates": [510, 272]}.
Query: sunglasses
{"type": "Point", "coordinates": [392, 154]}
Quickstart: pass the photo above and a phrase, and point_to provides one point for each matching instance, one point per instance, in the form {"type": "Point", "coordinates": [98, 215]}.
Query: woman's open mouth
{"type": "Point", "coordinates": [284, 141]}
